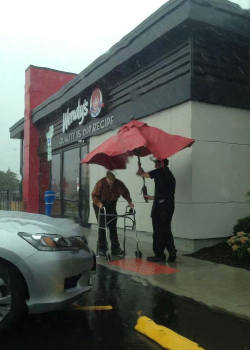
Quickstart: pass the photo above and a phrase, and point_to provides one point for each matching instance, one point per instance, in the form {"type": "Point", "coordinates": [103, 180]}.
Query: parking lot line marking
{"type": "Point", "coordinates": [91, 308]}
{"type": "Point", "coordinates": [164, 336]}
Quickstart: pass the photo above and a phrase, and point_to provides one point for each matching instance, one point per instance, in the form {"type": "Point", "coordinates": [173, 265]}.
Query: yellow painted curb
{"type": "Point", "coordinates": [91, 308]}
{"type": "Point", "coordinates": [164, 336]}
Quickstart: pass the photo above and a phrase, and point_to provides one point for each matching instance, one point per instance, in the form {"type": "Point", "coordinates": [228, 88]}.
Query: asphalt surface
{"type": "Point", "coordinates": [130, 297]}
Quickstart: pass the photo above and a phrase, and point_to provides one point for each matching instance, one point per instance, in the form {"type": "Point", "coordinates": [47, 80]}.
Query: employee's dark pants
{"type": "Point", "coordinates": [162, 214]}
{"type": "Point", "coordinates": [110, 209]}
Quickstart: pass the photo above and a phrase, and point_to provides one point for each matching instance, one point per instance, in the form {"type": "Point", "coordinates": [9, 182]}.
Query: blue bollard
{"type": "Point", "coordinates": [49, 200]}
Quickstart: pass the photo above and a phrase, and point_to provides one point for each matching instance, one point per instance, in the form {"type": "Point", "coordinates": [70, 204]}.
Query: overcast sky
{"type": "Point", "coordinates": [66, 36]}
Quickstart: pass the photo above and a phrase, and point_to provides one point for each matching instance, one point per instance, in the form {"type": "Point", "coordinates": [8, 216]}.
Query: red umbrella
{"type": "Point", "coordinates": [136, 138]}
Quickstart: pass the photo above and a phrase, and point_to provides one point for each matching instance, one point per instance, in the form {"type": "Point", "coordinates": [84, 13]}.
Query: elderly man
{"type": "Point", "coordinates": [106, 193]}
{"type": "Point", "coordinates": [162, 210]}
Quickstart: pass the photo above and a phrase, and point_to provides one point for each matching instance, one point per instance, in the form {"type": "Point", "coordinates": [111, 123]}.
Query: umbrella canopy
{"type": "Point", "coordinates": [136, 138]}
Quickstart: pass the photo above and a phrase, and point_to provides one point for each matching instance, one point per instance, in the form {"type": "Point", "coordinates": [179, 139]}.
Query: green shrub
{"type": "Point", "coordinates": [243, 225]}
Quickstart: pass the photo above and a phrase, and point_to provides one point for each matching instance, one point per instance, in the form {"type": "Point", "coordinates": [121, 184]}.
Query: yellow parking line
{"type": "Point", "coordinates": [164, 336]}
{"type": "Point", "coordinates": [91, 308]}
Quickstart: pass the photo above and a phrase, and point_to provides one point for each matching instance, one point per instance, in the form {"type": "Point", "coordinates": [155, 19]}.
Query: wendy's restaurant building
{"type": "Point", "coordinates": [185, 70]}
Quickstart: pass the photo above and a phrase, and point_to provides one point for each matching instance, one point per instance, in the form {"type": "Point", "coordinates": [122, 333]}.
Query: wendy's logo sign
{"type": "Point", "coordinates": [81, 112]}
{"type": "Point", "coordinates": [96, 103]}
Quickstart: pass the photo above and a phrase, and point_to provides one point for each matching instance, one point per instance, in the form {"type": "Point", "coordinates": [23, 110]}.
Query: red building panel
{"type": "Point", "coordinates": [40, 84]}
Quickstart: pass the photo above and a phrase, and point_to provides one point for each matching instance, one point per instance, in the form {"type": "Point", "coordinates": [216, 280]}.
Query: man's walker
{"type": "Point", "coordinates": [128, 216]}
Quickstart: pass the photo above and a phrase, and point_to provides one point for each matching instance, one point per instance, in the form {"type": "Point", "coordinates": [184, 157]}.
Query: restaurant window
{"type": "Point", "coordinates": [55, 183]}
{"type": "Point", "coordinates": [84, 189]}
{"type": "Point", "coordinates": [44, 183]}
{"type": "Point", "coordinates": [70, 182]}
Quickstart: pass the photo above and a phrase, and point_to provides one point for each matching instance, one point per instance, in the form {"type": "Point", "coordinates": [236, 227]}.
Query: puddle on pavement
{"type": "Point", "coordinates": [114, 329]}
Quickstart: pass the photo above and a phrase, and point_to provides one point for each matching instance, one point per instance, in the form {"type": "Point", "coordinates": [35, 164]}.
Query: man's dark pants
{"type": "Point", "coordinates": [110, 209]}
{"type": "Point", "coordinates": [162, 214]}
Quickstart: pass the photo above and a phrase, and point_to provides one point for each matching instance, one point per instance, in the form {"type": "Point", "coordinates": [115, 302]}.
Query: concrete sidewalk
{"type": "Point", "coordinates": [217, 286]}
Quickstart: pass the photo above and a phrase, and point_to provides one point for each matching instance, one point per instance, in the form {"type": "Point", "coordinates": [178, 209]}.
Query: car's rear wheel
{"type": "Point", "coordinates": [12, 296]}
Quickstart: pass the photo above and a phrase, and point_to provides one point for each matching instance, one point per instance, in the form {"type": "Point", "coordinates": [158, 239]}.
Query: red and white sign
{"type": "Point", "coordinates": [96, 103]}
{"type": "Point", "coordinates": [81, 112]}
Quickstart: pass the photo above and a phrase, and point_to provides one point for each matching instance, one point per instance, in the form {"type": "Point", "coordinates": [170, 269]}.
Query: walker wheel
{"type": "Point", "coordinates": [139, 254]}
{"type": "Point", "coordinates": [108, 257]}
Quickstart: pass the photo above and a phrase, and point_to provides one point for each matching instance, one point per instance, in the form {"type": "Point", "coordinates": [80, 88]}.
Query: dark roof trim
{"type": "Point", "coordinates": [220, 13]}
{"type": "Point", "coordinates": [20, 122]}
{"type": "Point", "coordinates": [113, 57]}
{"type": "Point", "coordinates": [223, 14]}
{"type": "Point", "coordinates": [17, 129]}
{"type": "Point", "coordinates": [134, 42]}
{"type": "Point", "coordinates": [224, 5]}
{"type": "Point", "coordinates": [45, 68]}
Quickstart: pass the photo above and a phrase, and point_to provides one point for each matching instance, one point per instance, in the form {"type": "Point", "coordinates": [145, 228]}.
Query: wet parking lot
{"type": "Point", "coordinates": [130, 298]}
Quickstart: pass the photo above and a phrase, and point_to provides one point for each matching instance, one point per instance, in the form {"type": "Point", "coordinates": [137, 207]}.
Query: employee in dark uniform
{"type": "Point", "coordinates": [162, 210]}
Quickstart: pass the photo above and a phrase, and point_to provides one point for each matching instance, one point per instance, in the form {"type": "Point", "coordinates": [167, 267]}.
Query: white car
{"type": "Point", "coordinates": [45, 264]}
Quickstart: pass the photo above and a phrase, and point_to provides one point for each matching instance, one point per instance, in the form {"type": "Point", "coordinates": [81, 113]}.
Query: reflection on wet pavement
{"type": "Point", "coordinates": [143, 267]}
{"type": "Point", "coordinates": [114, 329]}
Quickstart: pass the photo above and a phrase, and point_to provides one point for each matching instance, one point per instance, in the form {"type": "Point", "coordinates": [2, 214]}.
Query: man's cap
{"type": "Point", "coordinates": [166, 160]}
